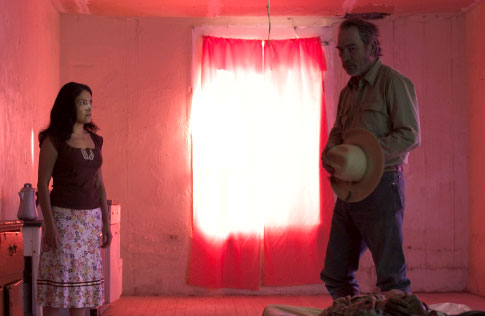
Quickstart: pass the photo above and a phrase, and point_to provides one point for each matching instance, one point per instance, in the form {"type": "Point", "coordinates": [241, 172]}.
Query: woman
{"type": "Point", "coordinates": [75, 213]}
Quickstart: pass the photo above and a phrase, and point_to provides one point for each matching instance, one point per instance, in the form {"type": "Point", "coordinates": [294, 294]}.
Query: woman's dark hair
{"type": "Point", "coordinates": [64, 113]}
{"type": "Point", "coordinates": [368, 32]}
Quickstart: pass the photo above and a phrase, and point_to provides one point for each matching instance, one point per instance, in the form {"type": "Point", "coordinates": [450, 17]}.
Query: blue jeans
{"type": "Point", "coordinates": [374, 223]}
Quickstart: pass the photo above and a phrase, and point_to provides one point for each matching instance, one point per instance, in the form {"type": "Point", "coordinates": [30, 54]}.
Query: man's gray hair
{"type": "Point", "coordinates": [368, 32]}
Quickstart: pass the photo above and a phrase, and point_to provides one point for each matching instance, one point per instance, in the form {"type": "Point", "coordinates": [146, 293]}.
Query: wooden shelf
{"type": "Point", "coordinates": [10, 226]}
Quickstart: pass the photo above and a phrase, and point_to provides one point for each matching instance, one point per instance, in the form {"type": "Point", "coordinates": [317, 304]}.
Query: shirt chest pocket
{"type": "Point", "coordinates": [374, 105]}
{"type": "Point", "coordinates": [374, 116]}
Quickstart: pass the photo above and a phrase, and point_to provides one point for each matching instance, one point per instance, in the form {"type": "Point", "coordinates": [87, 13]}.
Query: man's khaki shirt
{"type": "Point", "coordinates": [384, 102]}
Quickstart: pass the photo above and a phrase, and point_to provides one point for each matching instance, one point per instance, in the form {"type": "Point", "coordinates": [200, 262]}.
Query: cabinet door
{"type": "Point", "coordinates": [11, 257]}
{"type": "Point", "coordinates": [14, 300]}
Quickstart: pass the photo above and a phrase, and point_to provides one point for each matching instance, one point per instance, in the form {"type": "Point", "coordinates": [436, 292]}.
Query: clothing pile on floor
{"type": "Point", "coordinates": [374, 305]}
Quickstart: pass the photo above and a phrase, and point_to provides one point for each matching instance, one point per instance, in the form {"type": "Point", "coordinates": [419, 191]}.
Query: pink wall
{"type": "Point", "coordinates": [139, 69]}
{"type": "Point", "coordinates": [475, 25]}
{"type": "Point", "coordinates": [29, 79]}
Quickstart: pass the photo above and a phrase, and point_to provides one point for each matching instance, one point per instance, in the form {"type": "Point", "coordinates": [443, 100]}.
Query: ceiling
{"type": "Point", "coordinates": [216, 8]}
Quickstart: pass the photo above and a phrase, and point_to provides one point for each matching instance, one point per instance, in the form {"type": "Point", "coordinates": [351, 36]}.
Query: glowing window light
{"type": "Point", "coordinates": [256, 155]}
{"type": "Point", "coordinates": [225, 169]}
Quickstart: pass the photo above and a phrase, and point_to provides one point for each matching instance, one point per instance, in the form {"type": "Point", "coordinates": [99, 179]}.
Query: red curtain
{"type": "Point", "coordinates": [294, 254]}
{"type": "Point", "coordinates": [262, 203]}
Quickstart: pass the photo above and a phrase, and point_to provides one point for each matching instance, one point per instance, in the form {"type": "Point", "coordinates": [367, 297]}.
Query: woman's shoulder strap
{"type": "Point", "coordinates": [98, 140]}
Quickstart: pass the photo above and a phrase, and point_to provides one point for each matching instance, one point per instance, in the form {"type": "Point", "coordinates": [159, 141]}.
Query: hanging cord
{"type": "Point", "coordinates": [269, 19]}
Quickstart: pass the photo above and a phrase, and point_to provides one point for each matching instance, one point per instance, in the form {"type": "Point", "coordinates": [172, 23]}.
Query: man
{"type": "Point", "coordinates": [383, 101]}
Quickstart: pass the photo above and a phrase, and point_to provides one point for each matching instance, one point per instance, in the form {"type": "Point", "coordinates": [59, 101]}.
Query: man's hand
{"type": "Point", "coordinates": [326, 166]}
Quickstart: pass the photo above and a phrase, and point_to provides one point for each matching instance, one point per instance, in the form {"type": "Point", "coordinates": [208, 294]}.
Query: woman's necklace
{"type": "Point", "coordinates": [84, 151]}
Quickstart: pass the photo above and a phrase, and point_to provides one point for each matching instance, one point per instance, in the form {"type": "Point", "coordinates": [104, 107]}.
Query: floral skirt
{"type": "Point", "coordinates": [71, 275]}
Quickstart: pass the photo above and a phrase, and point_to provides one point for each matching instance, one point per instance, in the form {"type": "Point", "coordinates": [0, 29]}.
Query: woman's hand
{"type": "Point", "coordinates": [51, 238]}
{"type": "Point", "coordinates": [106, 232]}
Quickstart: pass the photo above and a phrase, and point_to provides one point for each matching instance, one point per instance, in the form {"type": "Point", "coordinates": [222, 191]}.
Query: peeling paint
{"type": "Point", "coordinates": [348, 5]}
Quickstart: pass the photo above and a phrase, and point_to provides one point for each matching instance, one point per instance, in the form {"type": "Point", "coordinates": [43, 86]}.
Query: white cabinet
{"type": "Point", "coordinates": [112, 262]}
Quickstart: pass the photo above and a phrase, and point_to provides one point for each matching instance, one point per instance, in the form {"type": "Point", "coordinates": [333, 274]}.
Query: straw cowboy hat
{"type": "Point", "coordinates": [358, 165]}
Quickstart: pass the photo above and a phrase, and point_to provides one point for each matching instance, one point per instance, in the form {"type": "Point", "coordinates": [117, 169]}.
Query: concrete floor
{"type": "Point", "coordinates": [250, 305]}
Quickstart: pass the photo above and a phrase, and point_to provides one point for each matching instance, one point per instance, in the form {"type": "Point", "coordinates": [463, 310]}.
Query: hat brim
{"type": "Point", "coordinates": [357, 191]}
